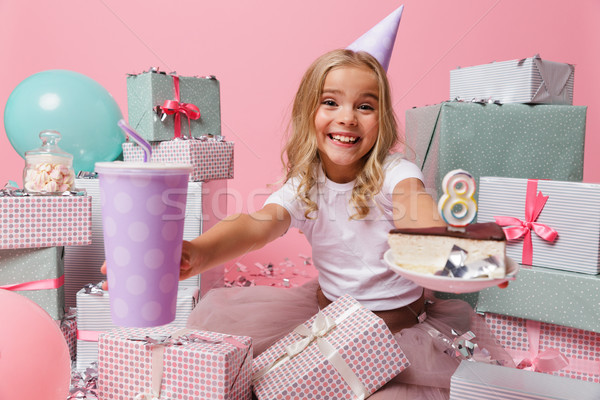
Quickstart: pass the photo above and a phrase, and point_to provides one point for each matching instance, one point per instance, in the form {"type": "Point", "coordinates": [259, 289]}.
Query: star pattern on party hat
{"type": "Point", "coordinates": [379, 40]}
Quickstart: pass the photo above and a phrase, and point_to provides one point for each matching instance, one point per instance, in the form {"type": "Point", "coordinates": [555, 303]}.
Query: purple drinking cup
{"type": "Point", "coordinates": [143, 212]}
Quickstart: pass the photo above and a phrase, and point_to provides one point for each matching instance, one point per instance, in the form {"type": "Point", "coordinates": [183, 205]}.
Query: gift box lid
{"type": "Point", "coordinates": [486, 381]}
{"type": "Point", "coordinates": [211, 364]}
{"type": "Point", "coordinates": [547, 295]}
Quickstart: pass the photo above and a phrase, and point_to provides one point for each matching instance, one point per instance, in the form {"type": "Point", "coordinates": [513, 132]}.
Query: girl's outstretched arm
{"type": "Point", "coordinates": [413, 206]}
{"type": "Point", "coordinates": [232, 237]}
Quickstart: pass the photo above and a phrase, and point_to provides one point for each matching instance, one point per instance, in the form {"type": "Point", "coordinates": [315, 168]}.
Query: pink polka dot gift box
{"type": "Point", "coordinates": [211, 159]}
{"type": "Point", "coordinates": [45, 221]}
{"type": "Point", "coordinates": [171, 362]}
{"type": "Point", "coordinates": [343, 352]}
{"type": "Point", "coordinates": [94, 318]}
{"type": "Point", "coordinates": [549, 348]}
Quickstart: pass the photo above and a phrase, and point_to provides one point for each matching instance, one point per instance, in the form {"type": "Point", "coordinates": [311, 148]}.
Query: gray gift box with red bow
{"type": "Point", "coordinates": [155, 101]}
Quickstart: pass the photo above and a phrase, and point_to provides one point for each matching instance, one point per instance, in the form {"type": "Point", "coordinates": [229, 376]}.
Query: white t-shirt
{"type": "Point", "coordinates": [348, 253]}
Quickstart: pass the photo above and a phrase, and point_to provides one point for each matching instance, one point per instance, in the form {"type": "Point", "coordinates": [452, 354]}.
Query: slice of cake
{"type": "Point", "coordinates": [426, 250]}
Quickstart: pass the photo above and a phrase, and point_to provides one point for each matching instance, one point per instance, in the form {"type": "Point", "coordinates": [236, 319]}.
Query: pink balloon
{"type": "Point", "coordinates": [34, 356]}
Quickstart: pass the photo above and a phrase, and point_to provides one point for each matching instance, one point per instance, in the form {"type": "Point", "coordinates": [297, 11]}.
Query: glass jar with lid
{"type": "Point", "coordinates": [48, 169]}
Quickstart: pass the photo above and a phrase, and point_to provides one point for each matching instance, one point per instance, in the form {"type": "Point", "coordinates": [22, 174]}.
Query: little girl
{"type": "Point", "coordinates": [345, 190]}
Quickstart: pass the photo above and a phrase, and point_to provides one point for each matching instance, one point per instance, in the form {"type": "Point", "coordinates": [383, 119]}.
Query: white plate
{"type": "Point", "coordinates": [449, 284]}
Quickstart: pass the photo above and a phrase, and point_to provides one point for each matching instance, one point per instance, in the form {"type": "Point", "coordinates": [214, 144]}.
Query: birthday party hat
{"type": "Point", "coordinates": [379, 40]}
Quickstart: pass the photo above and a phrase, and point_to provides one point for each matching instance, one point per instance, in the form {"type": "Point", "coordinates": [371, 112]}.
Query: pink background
{"type": "Point", "coordinates": [259, 50]}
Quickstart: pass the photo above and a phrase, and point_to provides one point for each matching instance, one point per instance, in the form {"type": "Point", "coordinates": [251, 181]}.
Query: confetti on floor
{"type": "Point", "coordinates": [290, 272]}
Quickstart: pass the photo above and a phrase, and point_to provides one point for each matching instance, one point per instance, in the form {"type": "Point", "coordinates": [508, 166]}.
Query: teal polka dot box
{"type": "Point", "coordinates": [526, 141]}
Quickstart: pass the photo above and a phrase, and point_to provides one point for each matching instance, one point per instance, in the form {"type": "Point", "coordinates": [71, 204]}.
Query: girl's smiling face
{"type": "Point", "coordinates": [347, 121]}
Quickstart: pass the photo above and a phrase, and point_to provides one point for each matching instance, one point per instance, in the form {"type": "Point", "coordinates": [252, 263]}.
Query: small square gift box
{"type": "Point", "coordinates": [477, 381]}
{"type": "Point", "coordinates": [528, 80]}
{"type": "Point", "coordinates": [173, 363]}
{"type": "Point", "coordinates": [552, 224]}
{"type": "Point", "coordinates": [82, 263]}
{"type": "Point", "coordinates": [211, 159]}
{"type": "Point", "coordinates": [45, 221]}
{"type": "Point", "coordinates": [37, 274]}
{"type": "Point", "coordinates": [94, 318]}
{"type": "Point", "coordinates": [166, 106]}
{"type": "Point", "coordinates": [513, 140]}
{"type": "Point", "coordinates": [343, 352]}
{"type": "Point", "coordinates": [548, 348]}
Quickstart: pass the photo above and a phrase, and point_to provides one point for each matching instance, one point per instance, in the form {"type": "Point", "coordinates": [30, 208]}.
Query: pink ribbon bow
{"type": "Point", "coordinates": [534, 203]}
{"type": "Point", "coordinates": [177, 108]}
{"type": "Point", "coordinates": [549, 360]}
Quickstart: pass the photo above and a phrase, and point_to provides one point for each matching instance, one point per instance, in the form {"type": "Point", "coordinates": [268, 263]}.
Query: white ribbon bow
{"type": "Point", "coordinates": [320, 327]}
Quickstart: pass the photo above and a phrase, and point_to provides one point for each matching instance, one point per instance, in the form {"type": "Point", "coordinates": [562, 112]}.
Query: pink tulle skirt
{"type": "Point", "coordinates": [268, 313]}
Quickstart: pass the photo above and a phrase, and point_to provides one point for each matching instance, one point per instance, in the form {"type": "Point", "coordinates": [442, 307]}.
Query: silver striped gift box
{"type": "Point", "coordinates": [483, 381]}
{"type": "Point", "coordinates": [93, 317]}
{"type": "Point", "coordinates": [529, 80]}
{"type": "Point", "coordinates": [572, 209]}
{"type": "Point", "coordinates": [82, 263]}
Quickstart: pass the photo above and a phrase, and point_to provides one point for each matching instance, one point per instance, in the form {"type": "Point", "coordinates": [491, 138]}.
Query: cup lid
{"type": "Point", "coordinates": [109, 166]}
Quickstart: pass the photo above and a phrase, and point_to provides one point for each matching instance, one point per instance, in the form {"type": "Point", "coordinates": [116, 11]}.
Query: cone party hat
{"type": "Point", "coordinates": [379, 40]}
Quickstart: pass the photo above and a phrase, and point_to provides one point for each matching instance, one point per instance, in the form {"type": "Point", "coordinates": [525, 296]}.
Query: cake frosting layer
{"type": "Point", "coordinates": [483, 231]}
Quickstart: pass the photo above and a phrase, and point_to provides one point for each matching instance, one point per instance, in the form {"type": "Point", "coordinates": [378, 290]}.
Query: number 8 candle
{"type": "Point", "coordinates": [457, 205]}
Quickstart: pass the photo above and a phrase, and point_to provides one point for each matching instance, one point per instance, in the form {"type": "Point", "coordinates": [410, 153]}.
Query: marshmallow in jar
{"type": "Point", "coordinates": [48, 169]}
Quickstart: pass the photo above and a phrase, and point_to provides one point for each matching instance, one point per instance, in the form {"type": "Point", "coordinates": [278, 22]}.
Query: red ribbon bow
{"type": "Point", "coordinates": [177, 108]}
{"type": "Point", "coordinates": [534, 203]}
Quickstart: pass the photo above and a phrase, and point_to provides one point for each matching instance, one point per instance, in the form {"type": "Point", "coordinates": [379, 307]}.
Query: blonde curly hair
{"type": "Point", "coordinates": [301, 147]}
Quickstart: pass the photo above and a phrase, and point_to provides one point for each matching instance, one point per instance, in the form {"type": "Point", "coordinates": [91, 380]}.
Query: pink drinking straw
{"type": "Point", "coordinates": [137, 138]}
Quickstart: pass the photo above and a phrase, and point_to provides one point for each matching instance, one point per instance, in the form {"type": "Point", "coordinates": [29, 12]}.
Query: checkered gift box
{"type": "Point", "coordinates": [343, 352]}
{"type": "Point", "coordinates": [211, 159]}
{"type": "Point", "coordinates": [544, 347]}
{"type": "Point", "coordinates": [45, 221]}
{"type": "Point", "coordinates": [173, 363]}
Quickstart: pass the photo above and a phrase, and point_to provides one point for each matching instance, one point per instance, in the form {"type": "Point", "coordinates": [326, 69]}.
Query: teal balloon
{"type": "Point", "coordinates": [77, 106]}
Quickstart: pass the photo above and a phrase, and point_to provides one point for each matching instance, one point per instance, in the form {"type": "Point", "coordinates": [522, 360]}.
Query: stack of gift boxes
{"type": "Point", "coordinates": [52, 247]}
{"type": "Point", "coordinates": [159, 106]}
{"type": "Point", "coordinates": [512, 125]}
{"type": "Point", "coordinates": [33, 236]}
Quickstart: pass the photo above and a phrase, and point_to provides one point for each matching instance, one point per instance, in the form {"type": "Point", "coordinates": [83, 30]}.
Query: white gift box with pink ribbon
{"type": "Point", "coordinates": [169, 362]}
{"type": "Point", "coordinates": [343, 352]}
{"type": "Point", "coordinates": [549, 348]}
{"type": "Point", "coordinates": [551, 224]}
